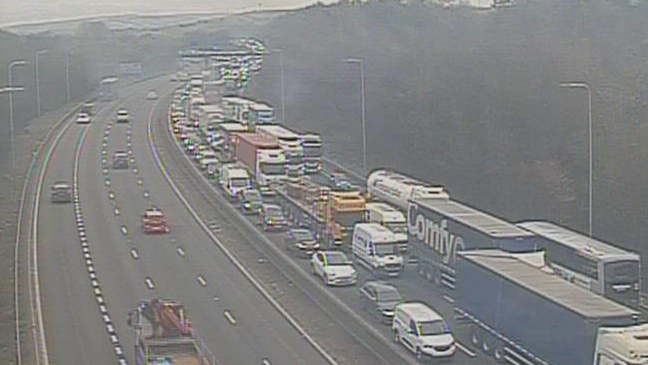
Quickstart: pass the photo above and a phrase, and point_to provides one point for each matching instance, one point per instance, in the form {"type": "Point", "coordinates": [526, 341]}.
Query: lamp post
{"type": "Point", "coordinates": [584, 85]}
{"type": "Point", "coordinates": [283, 92]}
{"type": "Point", "coordinates": [12, 64]}
{"type": "Point", "coordinates": [67, 76]}
{"type": "Point", "coordinates": [38, 101]}
{"type": "Point", "coordinates": [360, 62]}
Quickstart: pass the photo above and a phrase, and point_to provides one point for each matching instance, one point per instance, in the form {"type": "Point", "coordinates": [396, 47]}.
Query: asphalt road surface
{"type": "Point", "coordinates": [235, 322]}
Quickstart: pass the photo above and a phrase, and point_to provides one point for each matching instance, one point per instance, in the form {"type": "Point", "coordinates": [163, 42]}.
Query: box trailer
{"type": "Point", "coordinates": [524, 315]}
{"type": "Point", "coordinates": [439, 228]}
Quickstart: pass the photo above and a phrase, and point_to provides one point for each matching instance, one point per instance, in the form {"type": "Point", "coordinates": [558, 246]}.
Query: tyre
{"type": "Point", "coordinates": [438, 278]}
{"type": "Point", "coordinates": [475, 336]}
{"type": "Point", "coordinates": [418, 354]}
{"type": "Point", "coordinates": [498, 352]}
{"type": "Point", "coordinates": [487, 344]}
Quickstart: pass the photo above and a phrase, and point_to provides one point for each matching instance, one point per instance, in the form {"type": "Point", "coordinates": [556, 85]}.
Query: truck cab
{"type": "Point", "coordinates": [377, 248]}
{"type": "Point", "coordinates": [343, 210]}
{"type": "Point", "coordinates": [234, 179]}
{"type": "Point", "coordinates": [390, 218]}
{"type": "Point", "coordinates": [623, 345]}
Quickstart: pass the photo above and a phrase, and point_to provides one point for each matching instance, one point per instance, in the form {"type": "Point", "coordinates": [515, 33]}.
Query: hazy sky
{"type": "Point", "coordinates": [12, 11]}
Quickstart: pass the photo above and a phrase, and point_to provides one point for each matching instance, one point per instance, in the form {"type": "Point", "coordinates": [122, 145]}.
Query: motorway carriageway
{"type": "Point", "coordinates": [412, 286]}
{"type": "Point", "coordinates": [236, 323]}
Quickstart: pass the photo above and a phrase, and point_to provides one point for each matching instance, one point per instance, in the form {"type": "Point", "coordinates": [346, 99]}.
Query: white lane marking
{"type": "Point", "coordinates": [116, 211]}
{"type": "Point", "coordinates": [36, 313]}
{"type": "Point", "coordinates": [230, 317]}
{"type": "Point", "coordinates": [466, 350]}
{"type": "Point", "coordinates": [181, 251]}
{"type": "Point", "coordinates": [123, 230]}
{"type": "Point", "coordinates": [201, 280]}
{"type": "Point", "coordinates": [266, 362]}
{"type": "Point", "coordinates": [226, 251]}
{"type": "Point", "coordinates": [448, 299]}
{"type": "Point", "coordinates": [134, 254]}
{"type": "Point", "coordinates": [150, 285]}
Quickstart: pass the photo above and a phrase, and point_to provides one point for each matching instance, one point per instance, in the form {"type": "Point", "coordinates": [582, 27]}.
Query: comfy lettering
{"type": "Point", "coordinates": [433, 234]}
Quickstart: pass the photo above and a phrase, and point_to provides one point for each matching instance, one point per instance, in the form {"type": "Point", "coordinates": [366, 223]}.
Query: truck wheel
{"type": "Point", "coordinates": [438, 281]}
{"type": "Point", "coordinates": [475, 336]}
{"type": "Point", "coordinates": [498, 352]}
{"type": "Point", "coordinates": [487, 344]}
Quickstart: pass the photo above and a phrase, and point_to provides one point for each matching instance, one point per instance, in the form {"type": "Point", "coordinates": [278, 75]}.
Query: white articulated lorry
{"type": "Point", "coordinates": [263, 158]}
{"type": "Point", "coordinates": [398, 189]}
{"type": "Point", "coordinates": [290, 142]}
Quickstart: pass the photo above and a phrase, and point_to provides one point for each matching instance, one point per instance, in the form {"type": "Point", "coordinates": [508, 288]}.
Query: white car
{"type": "Point", "coordinates": [334, 268]}
{"type": "Point", "coordinates": [152, 95]}
{"type": "Point", "coordinates": [122, 116]}
{"type": "Point", "coordinates": [83, 118]}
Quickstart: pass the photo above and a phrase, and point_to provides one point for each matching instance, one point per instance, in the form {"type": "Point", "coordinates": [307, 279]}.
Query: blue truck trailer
{"type": "Point", "coordinates": [438, 228]}
{"type": "Point", "coordinates": [521, 314]}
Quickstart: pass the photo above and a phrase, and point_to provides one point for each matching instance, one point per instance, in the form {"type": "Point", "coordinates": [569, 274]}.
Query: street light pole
{"type": "Point", "coordinates": [584, 85]}
{"type": "Point", "coordinates": [67, 76]}
{"type": "Point", "coordinates": [283, 92]}
{"type": "Point", "coordinates": [38, 101]}
{"type": "Point", "coordinates": [360, 62]}
{"type": "Point", "coordinates": [12, 64]}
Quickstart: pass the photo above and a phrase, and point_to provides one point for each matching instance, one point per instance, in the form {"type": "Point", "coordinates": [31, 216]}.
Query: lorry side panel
{"type": "Point", "coordinates": [554, 333]}
{"type": "Point", "coordinates": [454, 237]}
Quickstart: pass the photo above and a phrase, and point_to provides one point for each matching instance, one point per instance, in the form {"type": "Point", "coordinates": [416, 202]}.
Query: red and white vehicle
{"type": "Point", "coordinates": [154, 221]}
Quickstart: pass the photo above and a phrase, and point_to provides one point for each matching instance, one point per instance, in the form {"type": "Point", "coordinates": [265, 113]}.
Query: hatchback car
{"type": "Point", "coordinates": [83, 118]}
{"type": "Point", "coordinates": [380, 300]}
{"type": "Point", "coordinates": [334, 268]}
{"type": "Point", "coordinates": [122, 116]}
{"type": "Point", "coordinates": [272, 218]}
{"type": "Point", "coordinates": [251, 201]}
{"type": "Point", "coordinates": [301, 241]}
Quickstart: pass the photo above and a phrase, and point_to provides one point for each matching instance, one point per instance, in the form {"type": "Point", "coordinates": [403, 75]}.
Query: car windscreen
{"type": "Point", "coordinates": [432, 328]}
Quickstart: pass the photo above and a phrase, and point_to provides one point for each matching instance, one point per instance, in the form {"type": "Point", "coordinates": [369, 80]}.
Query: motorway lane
{"type": "Point", "coordinates": [260, 331]}
{"type": "Point", "coordinates": [413, 288]}
{"type": "Point", "coordinates": [73, 325]}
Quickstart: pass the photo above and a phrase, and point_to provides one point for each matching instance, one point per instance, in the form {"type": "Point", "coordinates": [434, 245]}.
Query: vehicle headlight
{"type": "Point", "coordinates": [247, 205]}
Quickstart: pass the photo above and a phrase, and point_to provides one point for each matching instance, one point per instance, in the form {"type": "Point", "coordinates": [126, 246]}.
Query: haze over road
{"type": "Point", "coordinates": [39, 10]}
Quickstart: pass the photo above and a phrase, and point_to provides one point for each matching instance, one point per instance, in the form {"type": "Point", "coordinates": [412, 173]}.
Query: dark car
{"type": "Point", "coordinates": [272, 218]}
{"type": "Point", "coordinates": [251, 201]}
{"type": "Point", "coordinates": [302, 242]}
{"type": "Point", "coordinates": [380, 300]}
{"type": "Point", "coordinates": [120, 160]}
{"type": "Point", "coordinates": [339, 181]}
{"type": "Point", "coordinates": [61, 192]}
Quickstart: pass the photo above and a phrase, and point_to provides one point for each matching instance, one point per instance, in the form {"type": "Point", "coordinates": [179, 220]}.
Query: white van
{"type": "Point", "coordinates": [423, 331]}
{"type": "Point", "coordinates": [390, 217]}
{"type": "Point", "coordinates": [234, 179]}
{"type": "Point", "coordinates": [376, 248]}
